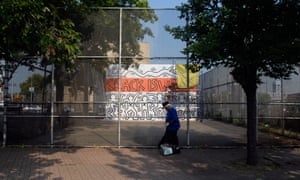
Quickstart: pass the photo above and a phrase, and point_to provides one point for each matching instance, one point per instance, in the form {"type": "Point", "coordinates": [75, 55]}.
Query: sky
{"type": "Point", "coordinates": [163, 43]}
{"type": "Point", "coordinates": [165, 3]}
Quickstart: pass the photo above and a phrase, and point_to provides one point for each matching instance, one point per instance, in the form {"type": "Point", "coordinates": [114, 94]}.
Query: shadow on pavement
{"type": "Point", "coordinates": [207, 163]}
{"type": "Point", "coordinates": [28, 163]}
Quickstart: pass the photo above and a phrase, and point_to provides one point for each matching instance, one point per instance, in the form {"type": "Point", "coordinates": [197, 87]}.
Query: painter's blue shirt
{"type": "Point", "coordinates": [172, 119]}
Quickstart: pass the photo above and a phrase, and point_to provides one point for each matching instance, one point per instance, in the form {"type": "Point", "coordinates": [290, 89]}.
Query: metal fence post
{"type": "Point", "coordinates": [188, 86]}
{"type": "Point", "coordinates": [119, 82]}
{"type": "Point", "coordinates": [52, 106]}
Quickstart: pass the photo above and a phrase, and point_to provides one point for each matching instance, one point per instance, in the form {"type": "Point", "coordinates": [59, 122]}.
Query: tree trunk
{"type": "Point", "coordinates": [251, 125]}
{"type": "Point", "coordinates": [247, 77]}
{"type": "Point", "coordinates": [59, 83]}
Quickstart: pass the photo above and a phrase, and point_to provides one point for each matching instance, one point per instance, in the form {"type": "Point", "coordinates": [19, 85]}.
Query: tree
{"type": "Point", "coordinates": [34, 34]}
{"type": "Point", "coordinates": [253, 38]}
{"type": "Point", "coordinates": [50, 31]}
{"type": "Point", "coordinates": [40, 32]}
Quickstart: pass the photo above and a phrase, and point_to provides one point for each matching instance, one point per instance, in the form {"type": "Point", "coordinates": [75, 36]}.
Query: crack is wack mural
{"type": "Point", "coordinates": [142, 91]}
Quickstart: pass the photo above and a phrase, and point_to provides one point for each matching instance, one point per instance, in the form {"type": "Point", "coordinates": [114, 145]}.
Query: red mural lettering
{"type": "Point", "coordinates": [125, 85]}
{"type": "Point", "coordinates": [140, 85]}
{"type": "Point", "coordinates": [154, 85]}
{"type": "Point", "coordinates": [111, 84]}
{"type": "Point", "coordinates": [143, 85]}
{"type": "Point", "coordinates": [132, 85]}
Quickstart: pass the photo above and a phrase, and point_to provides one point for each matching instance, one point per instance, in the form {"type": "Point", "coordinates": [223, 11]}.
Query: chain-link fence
{"type": "Point", "coordinates": [277, 102]}
{"type": "Point", "coordinates": [127, 68]}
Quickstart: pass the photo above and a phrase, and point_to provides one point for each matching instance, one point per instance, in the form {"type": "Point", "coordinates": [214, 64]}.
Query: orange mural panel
{"type": "Point", "coordinates": [141, 84]}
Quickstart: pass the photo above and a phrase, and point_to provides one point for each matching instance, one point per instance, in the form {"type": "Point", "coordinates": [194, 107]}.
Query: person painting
{"type": "Point", "coordinates": [172, 127]}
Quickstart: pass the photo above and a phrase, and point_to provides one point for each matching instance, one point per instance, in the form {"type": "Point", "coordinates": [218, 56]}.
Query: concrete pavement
{"type": "Point", "coordinates": [132, 163]}
{"type": "Point", "coordinates": [219, 154]}
{"type": "Point", "coordinates": [94, 132]}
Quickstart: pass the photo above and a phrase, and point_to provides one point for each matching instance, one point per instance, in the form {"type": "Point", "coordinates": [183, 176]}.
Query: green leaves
{"type": "Point", "coordinates": [263, 34]}
{"type": "Point", "coordinates": [51, 29]}
{"type": "Point", "coordinates": [60, 44]}
{"type": "Point", "coordinates": [34, 27]}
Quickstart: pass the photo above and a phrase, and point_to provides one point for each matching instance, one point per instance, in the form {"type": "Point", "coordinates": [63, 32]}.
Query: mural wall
{"type": "Point", "coordinates": [142, 91]}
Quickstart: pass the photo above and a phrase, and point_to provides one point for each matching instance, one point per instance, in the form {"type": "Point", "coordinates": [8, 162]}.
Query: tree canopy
{"type": "Point", "coordinates": [253, 38]}
{"type": "Point", "coordinates": [37, 33]}
{"type": "Point", "coordinates": [265, 34]}
{"type": "Point", "coordinates": [51, 29]}
{"type": "Point", "coordinates": [35, 28]}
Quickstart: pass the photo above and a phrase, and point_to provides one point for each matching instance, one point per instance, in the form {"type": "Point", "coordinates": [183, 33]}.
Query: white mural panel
{"type": "Point", "coordinates": [146, 104]}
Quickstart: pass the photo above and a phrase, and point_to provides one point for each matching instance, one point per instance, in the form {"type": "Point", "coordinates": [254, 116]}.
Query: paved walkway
{"type": "Point", "coordinates": [124, 163]}
{"type": "Point", "coordinates": [223, 162]}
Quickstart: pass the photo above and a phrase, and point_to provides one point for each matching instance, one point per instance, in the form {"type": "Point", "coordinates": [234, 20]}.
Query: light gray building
{"type": "Point", "coordinates": [223, 98]}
